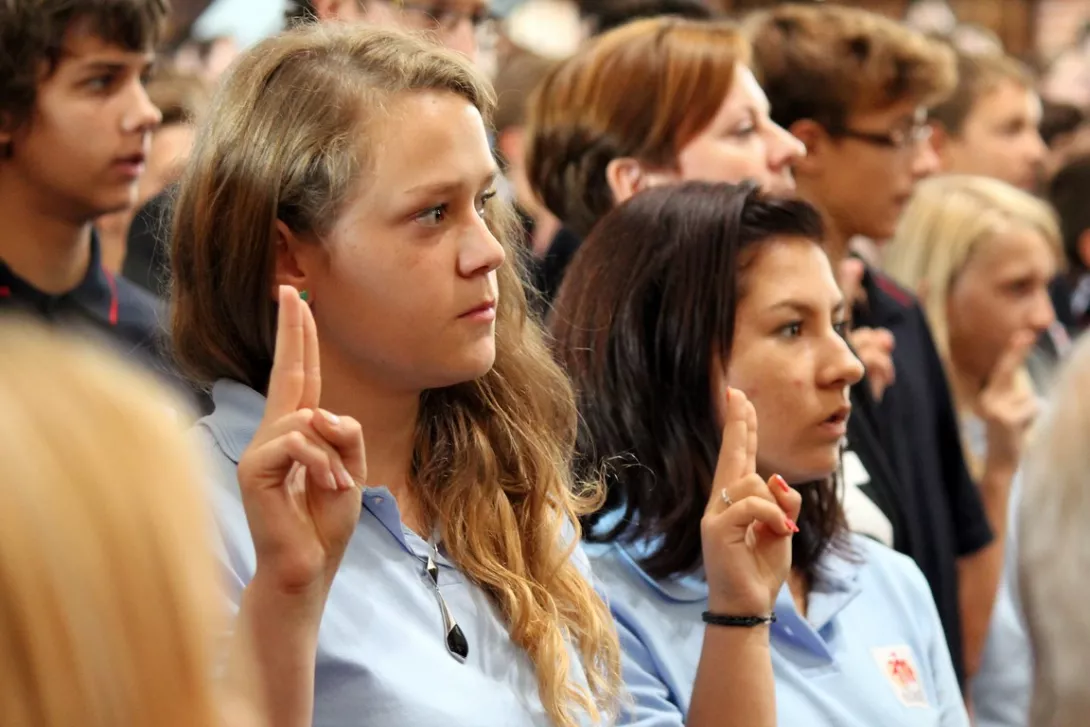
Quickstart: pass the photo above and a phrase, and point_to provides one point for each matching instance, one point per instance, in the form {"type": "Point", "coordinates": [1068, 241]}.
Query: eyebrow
{"type": "Point", "coordinates": [801, 307]}
{"type": "Point", "coordinates": [115, 66]}
{"type": "Point", "coordinates": [448, 186]}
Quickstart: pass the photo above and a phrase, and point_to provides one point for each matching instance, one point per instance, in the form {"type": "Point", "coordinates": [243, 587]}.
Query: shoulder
{"type": "Point", "coordinates": [138, 310]}
{"type": "Point", "coordinates": [893, 574]}
{"type": "Point", "coordinates": [889, 291]}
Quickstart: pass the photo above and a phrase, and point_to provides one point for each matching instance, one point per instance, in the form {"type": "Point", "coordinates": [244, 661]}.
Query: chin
{"type": "Point", "coordinates": [474, 363]}
{"type": "Point", "coordinates": [819, 465]}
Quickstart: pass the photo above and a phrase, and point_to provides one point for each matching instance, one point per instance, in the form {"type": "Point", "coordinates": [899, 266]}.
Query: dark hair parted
{"type": "Point", "coordinates": [33, 33]}
{"type": "Point", "coordinates": [646, 310]}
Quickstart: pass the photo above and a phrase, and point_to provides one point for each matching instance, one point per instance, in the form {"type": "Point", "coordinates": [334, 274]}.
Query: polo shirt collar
{"type": "Point", "coordinates": [96, 294]}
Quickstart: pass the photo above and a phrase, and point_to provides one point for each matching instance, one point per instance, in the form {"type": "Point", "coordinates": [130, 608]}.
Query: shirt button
{"type": "Point", "coordinates": [377, 500]}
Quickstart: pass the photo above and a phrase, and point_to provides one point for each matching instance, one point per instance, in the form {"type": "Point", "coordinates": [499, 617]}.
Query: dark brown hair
{"type": "Point", "coordinates": [647, 307]}
{"type": "Point", "coordinates": [643, 90]}
{"type": "Point", "coordinates": [827, 62]}
{"type": "Point", "coordinates": [282, 142]}
{"type": "Point", "coordinates": [32, 35]}
{"type": "Point", "coordinates": [978, 74]}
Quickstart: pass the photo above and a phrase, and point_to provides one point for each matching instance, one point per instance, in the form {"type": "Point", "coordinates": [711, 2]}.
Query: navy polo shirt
{"type": "Point", "coordinates": [126, 317]}
{"type": "Point", "coordinates": [917, 426]}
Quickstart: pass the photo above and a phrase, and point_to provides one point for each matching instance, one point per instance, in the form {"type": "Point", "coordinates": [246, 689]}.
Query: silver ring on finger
{"type": "Point", "coordinates": [725, 497]}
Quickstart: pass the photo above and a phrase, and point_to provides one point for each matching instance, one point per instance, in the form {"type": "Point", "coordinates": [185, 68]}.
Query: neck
{"type": "Point", "coordinates": [545, 228]}
{"type": "Point", "coordinates": [837, 238]}
{"type": "Point", "coordinates": [40, 246]}
{"type": "Point", "coordinates": [965, 388]}
{"type": "Point", "coordinates": [388, 419]}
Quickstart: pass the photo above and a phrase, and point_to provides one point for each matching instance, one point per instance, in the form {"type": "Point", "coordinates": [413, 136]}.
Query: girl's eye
{"type": "Point", "coordinates": [791, 330]}
{"type": "Point", "coordinates": [433, 216]}
{"type": "Point", "coordinates": [485, 198]}
{"type": "Point", "coordinates": [841, 328]}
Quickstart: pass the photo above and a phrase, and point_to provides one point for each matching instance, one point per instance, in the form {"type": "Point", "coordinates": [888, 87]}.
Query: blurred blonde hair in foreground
{"type": "Point", "coordinates": [1054, 550]}
{"type": "Point", "coordinates": [109, 606]}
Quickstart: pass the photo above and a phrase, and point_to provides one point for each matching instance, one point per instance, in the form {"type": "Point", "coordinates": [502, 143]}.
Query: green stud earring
{"type": "Point", "coordinates": [304, 295]}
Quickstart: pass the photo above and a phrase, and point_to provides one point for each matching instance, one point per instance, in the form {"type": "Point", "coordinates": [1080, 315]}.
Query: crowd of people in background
{"type": "Point", "coordinates": [619, 363]}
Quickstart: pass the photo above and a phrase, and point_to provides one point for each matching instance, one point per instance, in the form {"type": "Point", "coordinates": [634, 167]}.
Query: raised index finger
{"type": "Point", "coordinates": [734, 449]}
{"type": "Point", "coordinates": [312, 377]}
{"type": "Point", "coordinates": [287, 380]}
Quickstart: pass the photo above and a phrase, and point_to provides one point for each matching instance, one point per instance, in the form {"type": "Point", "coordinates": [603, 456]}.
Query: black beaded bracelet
{"type": "Point", "coordinates": [718, 619]}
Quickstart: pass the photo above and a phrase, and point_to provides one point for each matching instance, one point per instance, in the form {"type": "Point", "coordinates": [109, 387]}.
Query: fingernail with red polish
{"type": "Point", "coordinates": [791, 525]}
{"type": "Point", "coordinates": [782, 483]}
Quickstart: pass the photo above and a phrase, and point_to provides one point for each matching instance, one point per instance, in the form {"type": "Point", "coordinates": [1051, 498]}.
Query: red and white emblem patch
{"type": "Point", "coordinates": [899, 667]}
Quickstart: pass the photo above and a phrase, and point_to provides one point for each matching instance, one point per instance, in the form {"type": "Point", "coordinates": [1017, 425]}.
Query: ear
{"type": "Point", "coordinates": [625, 178]}
{"type": "Point", "coordinates": [1083, 248]}
{"type": "Point", "coordinates": [816, 140]}
{"type": "Point", "coordinates": [941, 141]}
{"type": "Point", "coordinates": [293, 257]}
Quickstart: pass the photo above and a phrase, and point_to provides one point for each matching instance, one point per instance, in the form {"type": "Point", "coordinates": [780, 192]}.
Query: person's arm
{"type": "Point", "coordinates": [746, 537]}
{"type": "Point", "coordinates": [1007, 407]}
{"type": "Point", "coordinates": [734, 682]}
{"type": "Point", "coordinates": [299, 482]}
{"type": "Point", "coordinates": [979, 574]}
{"type": "Point", "coordinates": [273, 652]}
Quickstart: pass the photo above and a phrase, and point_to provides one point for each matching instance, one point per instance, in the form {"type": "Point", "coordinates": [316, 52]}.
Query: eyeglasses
{"type": "Point", "coordinates": [899, 139]}
{"type": "Point", "coordinates": [447, 18]}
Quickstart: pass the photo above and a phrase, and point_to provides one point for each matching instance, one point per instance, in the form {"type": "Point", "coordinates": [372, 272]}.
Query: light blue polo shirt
{"type": "Point", "coordinates": [382, 659]}
{"type": "Point", "coordinates": [872, 652]}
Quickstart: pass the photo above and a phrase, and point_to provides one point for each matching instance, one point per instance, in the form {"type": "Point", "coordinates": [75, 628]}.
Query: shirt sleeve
{"type": "Point", "coordinates": [647, 701]}
{"type": "Point", "coordinates": [971, 526]}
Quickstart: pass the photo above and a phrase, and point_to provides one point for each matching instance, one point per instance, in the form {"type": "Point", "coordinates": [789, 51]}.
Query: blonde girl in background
{"type": "Point", "coordinates": [980, 254]}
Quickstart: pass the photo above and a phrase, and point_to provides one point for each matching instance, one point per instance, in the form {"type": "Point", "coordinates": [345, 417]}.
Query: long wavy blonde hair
{"type": "Point", "coordinates": [492, 457]}
{"type": "Point", "coordinates": [109, 599]}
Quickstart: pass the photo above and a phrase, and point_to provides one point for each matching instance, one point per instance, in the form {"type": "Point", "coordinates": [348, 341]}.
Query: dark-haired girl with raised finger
{"type": "Point", "coordinates": [678, 294]}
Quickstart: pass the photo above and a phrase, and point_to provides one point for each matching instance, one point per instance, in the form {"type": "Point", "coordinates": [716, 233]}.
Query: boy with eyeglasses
{"type": "Point", "coordinates": [461, 25]}
{"type": "Point", "coordinates": [855, 87]}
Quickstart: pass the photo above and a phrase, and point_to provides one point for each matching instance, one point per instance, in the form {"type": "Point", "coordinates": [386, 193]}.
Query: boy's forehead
{"type": "Point", "coordinates": [83, 44]}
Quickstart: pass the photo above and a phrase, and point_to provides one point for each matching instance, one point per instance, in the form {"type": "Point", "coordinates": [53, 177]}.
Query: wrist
{"type": "Point", "coordinates": [740, 607]}
{"type": "Point", "coordinates": [267, 593]}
